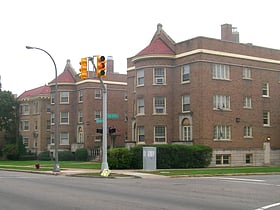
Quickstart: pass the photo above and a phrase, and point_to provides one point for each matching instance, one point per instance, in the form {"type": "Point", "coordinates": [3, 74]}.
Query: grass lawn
{"type": "Point", "coordinates": [47, 165]}
{"type": "Point", "coordinates": [217, 171]}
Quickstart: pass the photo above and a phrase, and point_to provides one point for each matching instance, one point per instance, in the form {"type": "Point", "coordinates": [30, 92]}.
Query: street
{"type": "Point", "coordinates": [39, 191]}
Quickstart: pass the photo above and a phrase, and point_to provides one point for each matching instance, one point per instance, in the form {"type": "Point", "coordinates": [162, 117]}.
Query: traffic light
{"type": "Point", "coordinates": [83, 68]}
{"type": "Point", "coordinates": [101, 66]}
{"type": "Point", "coordinates": [112, 130]}
{"type": "Point", "coordinates": [99, 130]}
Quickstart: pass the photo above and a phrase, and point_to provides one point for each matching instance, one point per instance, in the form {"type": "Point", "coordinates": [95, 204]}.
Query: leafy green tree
{"type": "Point", "coordinates": [9, 124]}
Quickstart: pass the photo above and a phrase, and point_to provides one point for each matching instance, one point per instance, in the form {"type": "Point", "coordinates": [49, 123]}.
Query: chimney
{"type": "Point", "coordinates": [229, 33]}
{"type": "Point", "coordinates": [110, 64]}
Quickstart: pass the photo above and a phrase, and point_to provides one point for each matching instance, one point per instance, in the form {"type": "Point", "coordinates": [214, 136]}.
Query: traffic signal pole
{"type": "Point", "coordinates": [104, 166]}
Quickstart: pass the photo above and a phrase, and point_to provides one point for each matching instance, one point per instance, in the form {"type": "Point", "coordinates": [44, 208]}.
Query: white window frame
{"type": "Point", "coordinates": [225, 159]}
{"type": "Point", "coordinates": [81, 95]}
{"type": "Point", "coordinates": [220, 71]}
{"type": "Point", "coordinates": [64, 97]}
{"type": "Point", "coordinates": [185, 103]}
{"type": "Point", "coordinates": [64, 118]}
{"type": "Point", "coordinates": [141, 134]}
{"type": "Point", "coordinates": [140, 77]}
{"type": "Point", "coordinates": [266, 118]}
{"type": "Point", "coordinates": [222, 133]}
{"type": "Point", "coordinates": [185, 73]}
{"type": "Point", "coordinates": [159, 76]}
{"type": "Point", "coordinates": [247, 131]}
{"type": "Point", "coordinates": [64, 138]}
{"type": "Point", "coordinates": [80, 117]}
{"type": "Point", "coordinates": [159, 106]}
{"type": "Point", "coordinates": [140, 106]}
{"type": "Point", "coordinates": [97, 94]}
{"type": "Point", "coordinates": [52, 98]}
{"type": "Point", "coordinates": [247, 102]}
{"type": "Point", "coordinates": [221, 102]}
{"type": "Point", "coordinates": [98, 114]}
{"type": "Point", "coordinates": [160, 137]}
{"type": "Point", "coordinates": [187, 133]}
{"type": "Point", "coordinates": [246, 73]}
{"type": "Point", "coordinates": [265, 90]}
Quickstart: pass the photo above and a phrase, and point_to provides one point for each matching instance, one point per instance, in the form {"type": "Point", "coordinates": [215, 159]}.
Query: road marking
{"type": "Point", "coordinates": [268, 206]}
{"type": "Point", "coordinates": [239, 179]}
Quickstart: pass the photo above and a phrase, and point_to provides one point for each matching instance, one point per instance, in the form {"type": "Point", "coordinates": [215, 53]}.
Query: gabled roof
{"type": "Point", "coordinates": [67, 76]}
{"type": "Point", "coordinates": [43, 90]}
{"type": "Point", "coordinates": [161, 44]}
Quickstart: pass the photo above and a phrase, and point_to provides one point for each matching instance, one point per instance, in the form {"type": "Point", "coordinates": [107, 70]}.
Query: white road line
{"type": "Point", "coordinates": [239, 179]}
{"type": "Point", "coordinates": [268, 206]}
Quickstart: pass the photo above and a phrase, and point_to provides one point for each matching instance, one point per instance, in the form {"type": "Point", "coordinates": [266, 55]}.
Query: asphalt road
{"type": "Point", "coordinates": [27, 191]}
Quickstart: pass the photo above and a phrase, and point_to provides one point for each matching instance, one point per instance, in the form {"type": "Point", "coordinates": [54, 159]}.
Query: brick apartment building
{"type": "Point", "coordinates": [35, 124]}
{"type": "Point", "coordinates": [80, 105]}
{"type": "Point", "coordinates": [219, 93]}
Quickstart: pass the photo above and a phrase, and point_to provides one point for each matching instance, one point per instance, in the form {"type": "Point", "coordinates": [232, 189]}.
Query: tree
{"type": "Point", "coordinates": [9, 121]}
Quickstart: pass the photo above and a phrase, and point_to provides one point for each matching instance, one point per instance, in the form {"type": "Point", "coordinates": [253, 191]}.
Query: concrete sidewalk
{"type": "Point", "coordinates": [115, 173]}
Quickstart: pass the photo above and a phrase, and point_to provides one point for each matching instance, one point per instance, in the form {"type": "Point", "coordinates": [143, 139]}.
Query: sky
{"type": "Point", "coordinates": [72, 29]}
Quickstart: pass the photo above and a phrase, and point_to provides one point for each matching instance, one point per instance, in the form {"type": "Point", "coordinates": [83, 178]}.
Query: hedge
{"type": "Point", "coordinates": [168, 156]}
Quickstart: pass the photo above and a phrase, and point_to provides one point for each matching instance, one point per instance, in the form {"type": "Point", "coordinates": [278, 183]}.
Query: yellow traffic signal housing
{"type": "Point", "coordinates": [83, 68]}
{"type": "Point", "coordinates": [100, 66]}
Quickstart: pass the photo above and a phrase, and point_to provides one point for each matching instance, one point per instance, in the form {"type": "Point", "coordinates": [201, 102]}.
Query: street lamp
{"type": "Point", "coordinates": [56, 165]}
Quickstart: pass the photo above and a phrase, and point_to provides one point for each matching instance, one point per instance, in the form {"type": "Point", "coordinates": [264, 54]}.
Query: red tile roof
{"type": "Point", "coordinates": [157, 46]}
{"type": "Point", "coordinates": [43, 90]}
{"type": "Point", "coordinates": [67, 76]}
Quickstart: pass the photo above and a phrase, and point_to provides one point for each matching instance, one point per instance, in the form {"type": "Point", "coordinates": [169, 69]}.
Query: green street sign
{"type": "Point", "coordinates": [109, 116]}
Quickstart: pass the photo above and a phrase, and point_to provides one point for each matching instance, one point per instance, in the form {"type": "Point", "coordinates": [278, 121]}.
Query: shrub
{"type": "Point", "coordinates": [65, 155]}
{"type": "Point", "coordinates": [44, 156]}
{"type": "Point", "coordinates": [119, 158]}
{"type": "Point", "coordinates": [81, 154]}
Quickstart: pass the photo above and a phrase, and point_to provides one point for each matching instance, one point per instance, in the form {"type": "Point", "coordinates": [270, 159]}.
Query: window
{"type": "Point", "coordinates": [222, 132]}
{"type": "Point", "coordinates": [160, 133]}
{"type": "Point", "coordinates": [98, 114]}
{"type": "Point", "coordinates": [140, 106]}
{"type": "Point", "coordinates": [64, 97]}
{"type": "Point", "coordinates": [53, 118]}
{"type": "Point", "coordinates": [141, 134]}
{"type": "Point", "coordinates": [265, 90]}
{"type": "Point", "coordinates": [187, 130]}
{"type": "Point", "coordinates": [220, 71]}
{"type": "Point", "coordinates": [64, 138]}
{"type": "Point", "coordinates": [159, 105]}
{"type": "Point", "coordinates": [185, 72]}
{"type": "Point", "coordinates": [80, 117]}
{"type": "Point", "coordinates": [223, 159]}
{"type": "Point", "coordinates": [249, 158]}
{"type": "Point", "coordinates": [248, 132]}
{"type": "Point", "coordinates": [140, 77]}
{"type": "Point", "coordinates": [80, 96]}
{"type": "Point", "coordinates": [247, 102]}
{"type": "Point", "coordinates": [64, 118]}
{"type": "Point", "coordinates": [48, 124]}
{"type": "Point", "coordinates": [266, 118]}
{"type": "Point", "coordinates": [25, 109]}
{"type": "Point", "coordinates": [186, 103]}
{"type": "Point", "coordinates": [48, 108]}
{"type": "Point", "coordinates": [52, 98]}
{"type": "Point", "coordinates": [98, 94]}
{"type": "Point", "coordinates": [35, 125]}
{"type": "Point", "coordinates": [159, 76]}
{"type": "Point", "coordinates": [35, 107]}
{"type": "Point", "coordinates": [25, 141]}
{"type": "Point", "coordinates": [221, 102]}
{"type": "Point", "coordinates": [246, 73]}
{"type": "Point", "coordinates": [24, 125]}
{"type": "Point", "coordinates": [52, 138]}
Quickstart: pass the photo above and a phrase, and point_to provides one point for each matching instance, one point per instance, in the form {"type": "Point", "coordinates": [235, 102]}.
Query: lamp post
{"type": "Point", "coordinates": [56, 165]}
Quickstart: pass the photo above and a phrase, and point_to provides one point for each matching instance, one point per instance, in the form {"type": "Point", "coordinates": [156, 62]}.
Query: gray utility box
{"type": "Point", "coordinates": [149, 158]}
